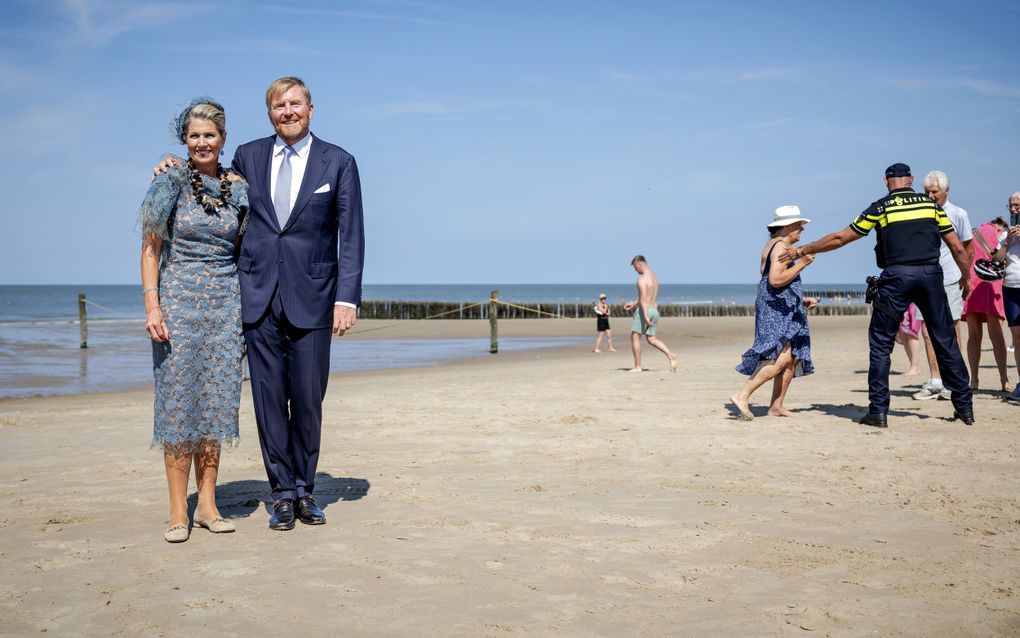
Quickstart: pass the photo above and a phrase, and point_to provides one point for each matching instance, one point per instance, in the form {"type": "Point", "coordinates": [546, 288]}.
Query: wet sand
{"type": "Point", "coordinates": [544, 492]}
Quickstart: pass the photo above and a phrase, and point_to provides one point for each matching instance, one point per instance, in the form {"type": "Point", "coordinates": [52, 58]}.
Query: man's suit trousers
{"type": "Point", "coordinates": [289, 372]}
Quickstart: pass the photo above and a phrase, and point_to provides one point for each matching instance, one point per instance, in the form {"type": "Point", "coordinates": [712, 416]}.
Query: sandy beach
{"type": "Point", "coordinates": [538, 493]}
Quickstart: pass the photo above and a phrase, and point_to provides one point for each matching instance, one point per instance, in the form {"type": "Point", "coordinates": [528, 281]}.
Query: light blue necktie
{"type": "Point", "coordinates": [281, 200]}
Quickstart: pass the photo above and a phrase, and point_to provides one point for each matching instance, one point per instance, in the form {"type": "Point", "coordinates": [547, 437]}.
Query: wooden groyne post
{"type": "Point", "coordinates": [83, 326]}
{"type": "Point", "coordinates": [493, 326]}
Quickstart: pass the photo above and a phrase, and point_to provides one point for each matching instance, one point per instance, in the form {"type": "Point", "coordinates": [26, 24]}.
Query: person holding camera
{"type": "Point", "coordinates": [1009, 253]}
{"type": "Point", "coordinates": [910, 229]}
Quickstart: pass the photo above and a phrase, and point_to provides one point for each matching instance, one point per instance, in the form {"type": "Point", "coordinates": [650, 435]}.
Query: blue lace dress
{"type": "Point", "coordinates": [779, 318]}
{"type": "Point", "coordinates": [197, 373]}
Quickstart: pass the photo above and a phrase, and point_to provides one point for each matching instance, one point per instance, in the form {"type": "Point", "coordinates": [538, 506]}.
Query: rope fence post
{"type": "Point", "coordinates": [83, 327]}
{"type": "Point", "coordinates": [493, 325]}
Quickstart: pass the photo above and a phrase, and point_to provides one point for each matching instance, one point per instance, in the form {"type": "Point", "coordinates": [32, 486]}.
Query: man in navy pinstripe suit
{"type": "Point", "coordinates": [300, 272]}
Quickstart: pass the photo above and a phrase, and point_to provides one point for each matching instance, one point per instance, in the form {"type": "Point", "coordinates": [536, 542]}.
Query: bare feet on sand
{"type": "Point", "coordinates": [634, 370]}
{"type": "Point", "coordinates": [612, 349]}
{"type": "Point", "coordinates": [672, 363]}
{"type": "Point", "coordinates": [742, 407]}
{"type": "Point", "coordinates": [597, 350]}
{"type": "Point", "coordinates": [779, 412]}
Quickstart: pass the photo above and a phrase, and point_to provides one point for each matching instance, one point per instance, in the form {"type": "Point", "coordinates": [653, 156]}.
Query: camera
{"type": "Point", "coordinates": [869, 294]}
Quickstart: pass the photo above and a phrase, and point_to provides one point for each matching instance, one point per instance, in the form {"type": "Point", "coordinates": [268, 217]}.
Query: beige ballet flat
{"type": "Point", "coordinates": [217, 525]}
{"type": "Point", "coordinates": [176, 534]}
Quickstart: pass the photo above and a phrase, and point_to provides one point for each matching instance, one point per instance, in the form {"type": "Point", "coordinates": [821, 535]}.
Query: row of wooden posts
{"type": "Point", "coordinates": [495, 309]}
{"type": "Point", "coordinates": [464, 310]}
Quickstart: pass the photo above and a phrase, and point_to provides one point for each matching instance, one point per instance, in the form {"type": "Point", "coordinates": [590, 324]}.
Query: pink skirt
{"type": "Point", "coordinates": [985, 296]}
{"type": "Point", "coordinates": [909, 327]}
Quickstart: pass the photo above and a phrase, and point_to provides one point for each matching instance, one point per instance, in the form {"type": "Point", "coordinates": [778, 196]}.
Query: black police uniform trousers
{"type": "Point", "coordinates": [898, 286]}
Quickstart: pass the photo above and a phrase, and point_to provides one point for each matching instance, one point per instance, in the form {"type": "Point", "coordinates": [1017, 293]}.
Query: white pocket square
{"type": "Point", "coordinates": [322, 189]}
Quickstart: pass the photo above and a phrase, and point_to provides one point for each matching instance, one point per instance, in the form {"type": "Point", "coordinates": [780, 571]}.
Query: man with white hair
{"type": "Point", "coordinates": [936, 187]}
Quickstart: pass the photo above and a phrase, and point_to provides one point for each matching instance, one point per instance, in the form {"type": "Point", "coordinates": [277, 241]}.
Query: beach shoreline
{"type": "Point", "coordinates": [119, 355]}
{"type": "Point", "coordinates": [119, 358]}
{"type": "Point", "coordinates": [538, 492]}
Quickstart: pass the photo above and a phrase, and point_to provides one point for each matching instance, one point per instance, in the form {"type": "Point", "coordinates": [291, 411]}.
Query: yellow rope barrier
{"type": "Point", "coordinates": [435, 316]}
{"type": "Point", "coordinates": [461, 309]}
{"type": "Point", "coordinates": [92, 303]}
{"type": "Point", "coordinates": [540, 312]}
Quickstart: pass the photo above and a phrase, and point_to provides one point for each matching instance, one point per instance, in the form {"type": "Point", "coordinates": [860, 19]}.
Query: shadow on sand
{"type": "Point", "coordinates": [854, 412]}
{"type": "Point", "coordinates": [238, 499]}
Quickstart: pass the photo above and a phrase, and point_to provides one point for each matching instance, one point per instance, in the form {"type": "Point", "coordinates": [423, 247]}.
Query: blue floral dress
{"type": "Point", "coordinates": [197, 373]}
{"type": "Point", "coordinates": [779, 318]}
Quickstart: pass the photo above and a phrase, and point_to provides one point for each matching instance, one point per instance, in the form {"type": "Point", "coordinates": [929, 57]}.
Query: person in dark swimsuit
{"type": "Point", "coordinates": [602, 313]}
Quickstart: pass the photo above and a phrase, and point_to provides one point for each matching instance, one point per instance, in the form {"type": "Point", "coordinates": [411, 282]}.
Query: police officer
{"type": "Point", "coordinates": [910, 227]}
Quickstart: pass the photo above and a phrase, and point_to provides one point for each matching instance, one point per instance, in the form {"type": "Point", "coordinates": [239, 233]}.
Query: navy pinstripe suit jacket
{"type": "Point", "coordinates": [318, 255]}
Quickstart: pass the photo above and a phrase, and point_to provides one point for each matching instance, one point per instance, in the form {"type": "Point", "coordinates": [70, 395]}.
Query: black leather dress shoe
{"type": "Point", "coordinates": [875, 420]}
{"type": "Point", "coordinates": [309, 512]}
{"type": "Point", "coordinates": [966, 417]}
{"type": "Point", "coordinates": [283, 515]}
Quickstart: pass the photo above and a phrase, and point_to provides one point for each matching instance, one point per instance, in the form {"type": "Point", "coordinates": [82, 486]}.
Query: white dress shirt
{"type": "Point", "coordinates": [298, 161]}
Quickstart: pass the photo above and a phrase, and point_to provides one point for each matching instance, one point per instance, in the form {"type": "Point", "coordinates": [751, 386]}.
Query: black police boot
{"type": "Point", "coordinates": [875, 420]}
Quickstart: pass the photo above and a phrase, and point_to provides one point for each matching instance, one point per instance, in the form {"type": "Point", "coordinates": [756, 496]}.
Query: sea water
{"type": "Point", "coordinates": [39, 334]}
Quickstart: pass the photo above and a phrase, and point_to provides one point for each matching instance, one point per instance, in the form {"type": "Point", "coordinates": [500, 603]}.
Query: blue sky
{"type": "Point", "coordinates": [517, 142]}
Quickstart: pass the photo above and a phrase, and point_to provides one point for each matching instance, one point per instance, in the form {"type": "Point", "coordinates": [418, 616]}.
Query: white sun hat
{"type": "Point", "coordinates": [786, 215]}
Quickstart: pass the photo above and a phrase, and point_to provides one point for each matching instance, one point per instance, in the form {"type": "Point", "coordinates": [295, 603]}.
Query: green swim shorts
{"type": "Point", "coordinates": [637, 322]}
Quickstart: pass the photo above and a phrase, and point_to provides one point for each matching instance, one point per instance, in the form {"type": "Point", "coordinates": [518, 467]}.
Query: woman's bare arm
{"type": "Point", "coordinates": [152, 244]}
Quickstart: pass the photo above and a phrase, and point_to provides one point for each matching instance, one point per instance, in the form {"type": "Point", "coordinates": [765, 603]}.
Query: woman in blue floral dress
{"type": "Point", "coordinates": [191, 221]}
{"type": "Point", "coordinates": [782, 345]}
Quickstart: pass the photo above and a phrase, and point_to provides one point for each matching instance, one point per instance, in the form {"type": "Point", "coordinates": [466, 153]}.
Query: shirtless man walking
{"type": "Point", "coordinates": [646, 314]}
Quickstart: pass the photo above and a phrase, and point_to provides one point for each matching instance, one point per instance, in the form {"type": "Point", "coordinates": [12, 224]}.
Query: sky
{"type": "Point", "coordinates": [517, 141]}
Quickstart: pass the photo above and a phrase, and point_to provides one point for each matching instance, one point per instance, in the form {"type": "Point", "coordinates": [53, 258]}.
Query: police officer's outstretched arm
{"type": "Point", "coordinates": [962, 259]}
{"type": "Point", "coordinates": [830, 242]}
{"type": "Point", "coordinates": [780, 275]}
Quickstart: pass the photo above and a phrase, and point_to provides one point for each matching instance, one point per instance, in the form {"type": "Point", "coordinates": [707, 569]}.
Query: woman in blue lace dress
{"type": "Point", "coordinates": [782, 345]}
{"type": "Point", "coordinates": [191, 221]}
